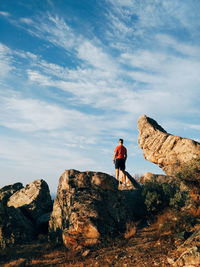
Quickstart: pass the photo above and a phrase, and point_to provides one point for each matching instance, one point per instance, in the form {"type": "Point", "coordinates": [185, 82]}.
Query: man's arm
{"type": "Point", "coordinates": [114, 155]}
{"type": "Point", "coordinates": [126, 155]}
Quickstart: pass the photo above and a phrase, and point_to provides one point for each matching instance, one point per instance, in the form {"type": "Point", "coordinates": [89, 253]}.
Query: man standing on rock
{"type": "Point", "coordinates": [119, 158]}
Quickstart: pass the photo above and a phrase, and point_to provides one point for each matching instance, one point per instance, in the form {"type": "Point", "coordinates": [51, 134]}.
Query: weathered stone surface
{"type": "Point", "coordinates": [160, 178]}
{"type": "Point", "coordinates": [135, 184]}
{"type": "Point", "coordinates": [168, 151]}
{"type": "Point", "coordinates": [34, 200]}
{"type": "Point", "coordinates": [87, 208]}
{"type": "Point", "coordinates": [7, 191]}
{"type": "Point", "coordinates": [14, 227]}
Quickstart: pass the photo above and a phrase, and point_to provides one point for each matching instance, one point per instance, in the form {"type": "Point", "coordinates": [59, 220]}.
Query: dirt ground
{"type": "Point", "coordinates": [145, 248]}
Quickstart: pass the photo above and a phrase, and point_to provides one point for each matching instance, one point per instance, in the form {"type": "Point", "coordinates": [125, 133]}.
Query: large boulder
{"type": "Point", "coordinates": [88, 207]}
{"type": "Point", "coordinates": [34, 200]}
{"type": "Point", "coordinates": [15, 228]}
{"type": "Point", "coordinates": [7, 191]}
{"type": "Point", "coordinates": [168, 151]}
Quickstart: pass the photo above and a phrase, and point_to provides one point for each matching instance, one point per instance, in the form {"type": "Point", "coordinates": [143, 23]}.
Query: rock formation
{"type": "Point", "coordinates": [7, 191]}
{"type": "Point", "coordinates": [160, 178]}
{"type": "Point", "coordinates": [14, 227]}
{"type": "Point", "coordinates": [24, 212]}
{"type": "Point", "coordinates": [34, 200]}
{"type": "Point", "coordinates": [88, 207]}
{"type": "Point", "coordinates": [168, 151]}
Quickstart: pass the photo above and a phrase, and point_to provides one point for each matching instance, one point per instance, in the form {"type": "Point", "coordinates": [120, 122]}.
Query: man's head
{"type": "Point", "coordinates": [121, 141]}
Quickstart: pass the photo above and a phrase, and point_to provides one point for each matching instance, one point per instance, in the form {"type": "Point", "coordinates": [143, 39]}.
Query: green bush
{"type": "Point", "coordinates": [178, 200]}
{"type": "Point", "coordinates": [157, 196]}
{"type": "Point", "coordinates": [190, 172]}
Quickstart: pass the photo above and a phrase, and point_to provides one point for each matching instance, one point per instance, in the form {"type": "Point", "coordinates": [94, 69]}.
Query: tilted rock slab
{"type": "Point", "coordinates": [7, 191]}
{"type": "Point", "coordinates": [168, 151]}
{"type": "Point", "coordinates": [88, 207]}
{"type": "Point", "coordinates": [34, 200]}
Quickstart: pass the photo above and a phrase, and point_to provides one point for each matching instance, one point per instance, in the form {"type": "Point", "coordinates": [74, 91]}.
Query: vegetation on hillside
{"type": "Point", "coordinates": [190, 173]}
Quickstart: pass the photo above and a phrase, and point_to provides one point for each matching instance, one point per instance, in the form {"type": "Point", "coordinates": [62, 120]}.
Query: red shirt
{"type": "Point", "coordinates": [120, 152]}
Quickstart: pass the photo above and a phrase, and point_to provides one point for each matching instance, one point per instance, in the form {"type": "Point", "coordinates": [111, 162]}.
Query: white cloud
{"type": "Point", "coordinates": [27, 160]}
{"type": "Point", "coordinates": [95, 56]}
{"type": "Point", "coordinates": [5, 14]}
{"type": "Point", "coordinates": [5, 61]}
{"type": "Point", "coordinates": [26, 20]}
{"type": "Point", "coordinates": [35, 115]}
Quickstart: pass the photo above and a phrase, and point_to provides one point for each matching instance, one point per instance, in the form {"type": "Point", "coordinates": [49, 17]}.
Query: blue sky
{"type": "Point", "coordinates": [75, 76]}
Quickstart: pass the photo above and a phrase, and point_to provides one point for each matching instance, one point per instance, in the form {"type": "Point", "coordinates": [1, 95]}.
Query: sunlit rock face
{"type": "Point", "coordinates": [88, 207]}
{"type": "Point", "coordinates": [34, 199]}
{"type": "Point", "coordinates": [169, 152]}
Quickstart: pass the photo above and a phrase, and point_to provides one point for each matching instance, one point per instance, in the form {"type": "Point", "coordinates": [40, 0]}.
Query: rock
{"type": "Point", "coordinates": [160, 178]}
{"type": "Point", "coordinates": [168, 151]}
{"type": "Point", "coordinates": [15, 228]}
{"type": "Point", "coordinates": [34, 200]}
{"type": "Point", "coordinates": [42, 223]}
{"type": "Point", "coordinates": [190, 257]}
{"type": "Point", "coordinates": [133, 181]}
{"type": "Point", "coordinates": [7, 191]}
{"type": "Point", "coordinates": [87, 208]}
{"type": "Point", "coordinates": [189, 252]}
{"type": "Point", "coordinates": [193, 240]}
{"type": "Point", "coordinates": [86, 252]}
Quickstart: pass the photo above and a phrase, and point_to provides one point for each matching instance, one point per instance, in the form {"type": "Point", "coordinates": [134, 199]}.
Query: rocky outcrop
{"type": "Point", "coordinates": [15, 228]}
{"type": "Point", "coordinates": [160, 178]}
{"type": "Point", "coordinates": [24, 212]}
{"type": "Point", "coordinates": [168, 151]}
{"type": "Point", "coordinates": [7, 191]}
{"type": "Point", "coordinates": [133, 182]}
{"type": "Point", "coordinates": [88, 207]}
{"type": "Point", "coordinates": [34, 200]}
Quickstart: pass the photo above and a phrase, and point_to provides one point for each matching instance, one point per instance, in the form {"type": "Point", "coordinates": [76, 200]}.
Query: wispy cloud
{"type": "Point", "coordinates": [5, 61]}
{"type": "Point", "coordinates": [5, 14]}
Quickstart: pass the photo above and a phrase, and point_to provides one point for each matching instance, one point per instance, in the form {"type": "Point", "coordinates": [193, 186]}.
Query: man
{"type": "Point", "coordinates": [119, 158]}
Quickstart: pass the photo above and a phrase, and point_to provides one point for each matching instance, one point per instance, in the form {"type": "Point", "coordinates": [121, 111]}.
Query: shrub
{"type": "Point", "coordinates": [157, 196]}
{"type": "Point", "coordinates": [178, 200]}
{"type": "Point", "coordinates": [190, 172]}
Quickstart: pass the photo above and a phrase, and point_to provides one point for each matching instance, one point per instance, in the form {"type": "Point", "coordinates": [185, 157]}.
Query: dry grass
{"type": "Point", "coordinates": [131, 230]}
{"type": "Point", "coordinates": [141, 248]}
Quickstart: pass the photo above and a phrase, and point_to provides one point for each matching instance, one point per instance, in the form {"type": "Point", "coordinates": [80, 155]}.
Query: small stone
{"type": "Point", "coordinates": [85, 253]}
{"type": "Point", "coordinates": [171, 261]}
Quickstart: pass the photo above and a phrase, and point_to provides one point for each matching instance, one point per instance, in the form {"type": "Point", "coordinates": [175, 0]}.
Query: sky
{"type": "Point", "coordinates": [75, 76]}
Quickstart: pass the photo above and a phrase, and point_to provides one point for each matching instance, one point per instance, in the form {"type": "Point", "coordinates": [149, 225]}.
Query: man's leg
{"type": "Point", "coordinates": [117, 174]}
{"type": "Point", "coordinates": [123, 177]}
